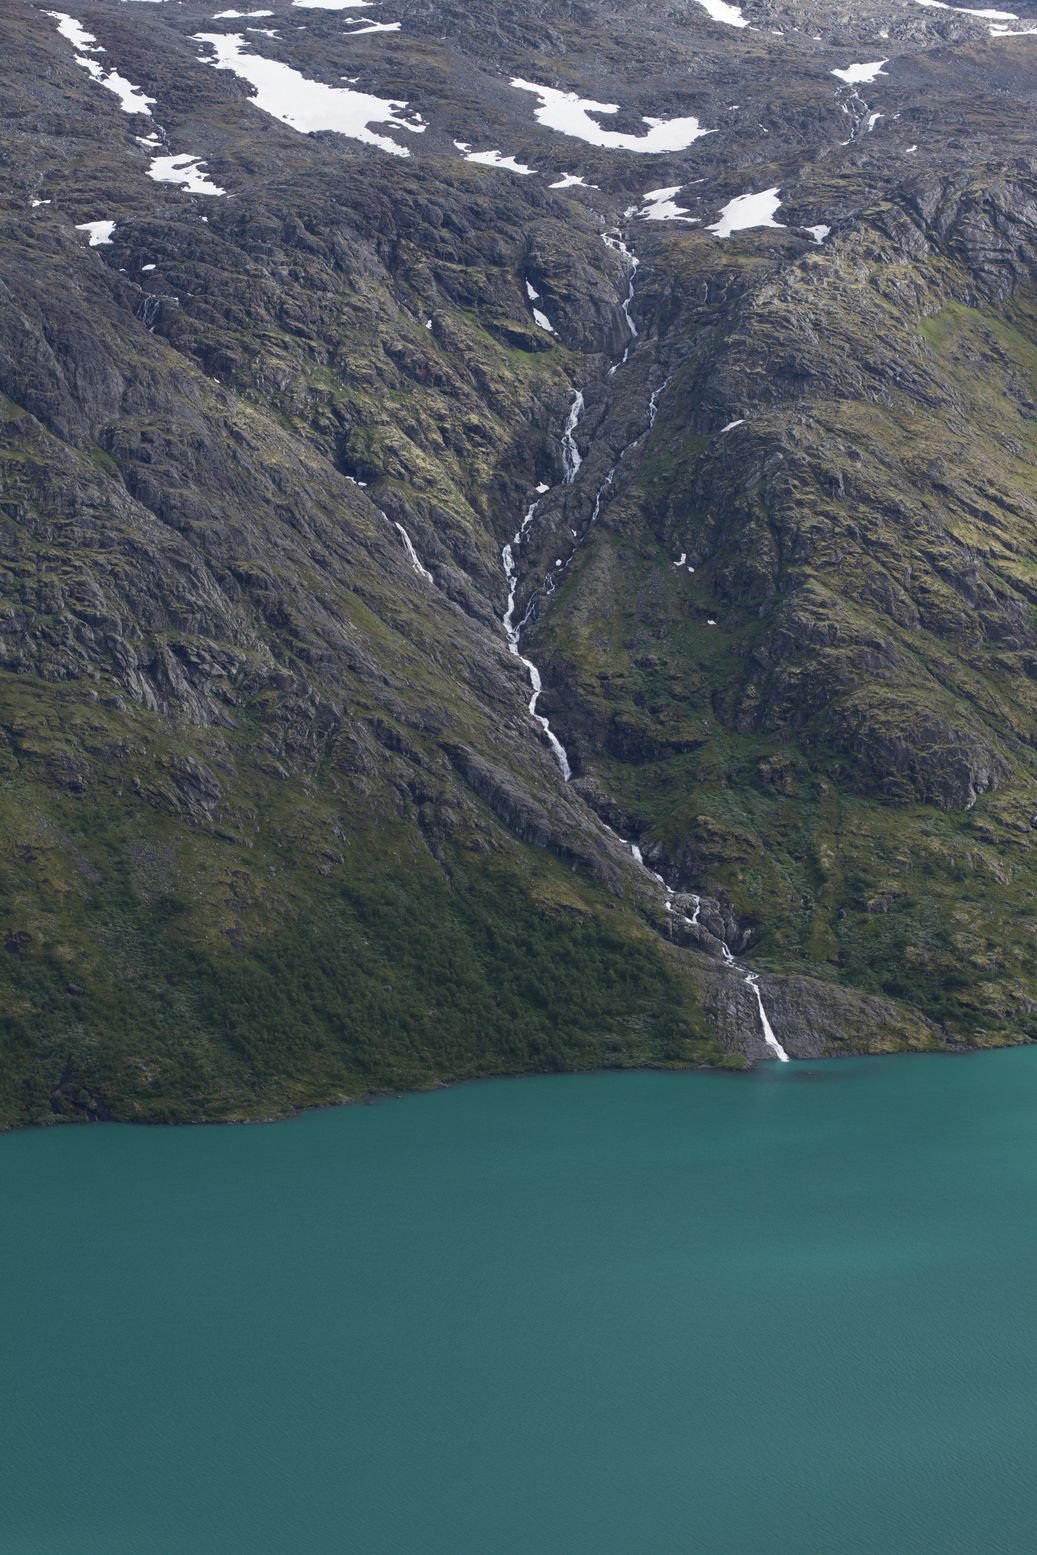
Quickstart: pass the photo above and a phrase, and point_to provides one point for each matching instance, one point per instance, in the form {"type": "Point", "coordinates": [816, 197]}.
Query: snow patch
{"type": "Point", "coordinates": [748, 210]}
{"type": "Point", "coordinates": [660, 205]}
{"type": "Point", "coordinates": [98, 231]}
{"type": "Point", "coordinates": [720, 11]}
{"type": "Point", "coordinates": [493, 159]}
{"type": "Point", "coordinates": [310, 106]}
{"type": "Point", "coordinates": [184, 170]}
{"type": "Point", "coordinates": [966, 10]}
{"type": "Point", "coordinates": [818, 233]}
{"type": "Point", "coordinates": [732, 424]}
{"type": "Point", "coordinates": [571, 180]}
{"type": "Point", "coordinates": [854, 75]}
{"type": "Point", "coordinates": [570, 114]}
{"type": "Point", "coordinates": [75, 32]}
{"type": "Point", "coordinates": [131, 98]}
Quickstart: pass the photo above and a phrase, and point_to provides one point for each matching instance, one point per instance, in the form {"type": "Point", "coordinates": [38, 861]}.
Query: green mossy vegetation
{"type": "Point", "coordinates": [275, 827]}
{"type": "Point", "coordinates": [900, 587]}
{"type": "Point", "coordinates": [159, 972]}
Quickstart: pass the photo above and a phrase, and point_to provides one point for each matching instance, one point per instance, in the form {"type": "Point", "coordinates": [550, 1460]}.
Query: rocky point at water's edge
{"type": "Point", "coordinates": [438, 448]}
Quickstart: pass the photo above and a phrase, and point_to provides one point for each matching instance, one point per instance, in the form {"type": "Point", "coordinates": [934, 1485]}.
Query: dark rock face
{"type": "Point", "coordinates": [277, 827]}
{"type": "Point", "coordinates": [815, 1019]}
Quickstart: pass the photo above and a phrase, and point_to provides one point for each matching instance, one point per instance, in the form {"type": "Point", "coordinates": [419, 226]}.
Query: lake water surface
{"type": "Point", "coordinates": [793, 1313]}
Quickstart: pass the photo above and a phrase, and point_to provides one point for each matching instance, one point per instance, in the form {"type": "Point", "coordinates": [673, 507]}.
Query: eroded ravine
{"type": "Point", "coordinates": [572, 460]}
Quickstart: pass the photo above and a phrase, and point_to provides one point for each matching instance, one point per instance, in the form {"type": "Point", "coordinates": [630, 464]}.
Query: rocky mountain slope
{"type": "Point", "coordinates": [730, 316]}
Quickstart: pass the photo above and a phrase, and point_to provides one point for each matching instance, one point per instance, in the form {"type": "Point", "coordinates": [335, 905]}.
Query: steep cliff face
{"type": "Point", "coordinates": [832, 716]}
{"type": "Point", "coordinates": [277, 824]}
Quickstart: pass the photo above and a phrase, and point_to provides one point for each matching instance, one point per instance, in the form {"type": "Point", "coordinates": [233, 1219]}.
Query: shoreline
{"type": "Point", "coordinates": [379, 1097]}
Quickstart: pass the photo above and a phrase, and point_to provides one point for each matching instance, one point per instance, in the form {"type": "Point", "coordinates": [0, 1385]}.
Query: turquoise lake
{"type": "Point", "coordinates": [791, 1313]}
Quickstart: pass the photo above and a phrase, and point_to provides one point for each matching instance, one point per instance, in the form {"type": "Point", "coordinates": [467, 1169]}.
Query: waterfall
{"type": "Point", "coordinates": [656, 396]}
{"type": "Point", "coordinates": [616, 243]}
{"type": "Point", "coordinates": [571, 455]}
{"type": "Point", "coordinates": [422, 572]}
{"type": "Point", "coordinates": [854, 106]}
{"type": "Point", "coordinates": [408, 544]}
{"type": "Point", "coordinates": [148, 311]}
{"type": "Point", "coordinates": [513, 633]}
{"type": "Point", "coordinates": [572, 460]}
{"type": "Point", "coordinates": [752, 978]}
{"type": "Point", "coordinates": [560, 754]}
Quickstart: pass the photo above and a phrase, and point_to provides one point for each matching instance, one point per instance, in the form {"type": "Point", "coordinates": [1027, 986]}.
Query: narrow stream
{"type": "Point", "coordinates": [852, 104]}
{"type": "Point", "coordinates": [512, 632]}
{"type": "Point", "coordinates": [572, 461]}
{"type": "Point", "coordinates": [408, 545]}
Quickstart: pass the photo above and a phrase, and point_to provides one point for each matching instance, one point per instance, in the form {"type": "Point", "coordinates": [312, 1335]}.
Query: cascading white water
{"type": "Point", "coordinates": [629, 299]}
{"type": "Point", "coordinates": [560, 753]}
{"type": "Point", "coordinates": [616, 243]}
{"type": "Point", "coordinates": [670, 892]}
{"type": "Point", "coordinates": [572, 460]}
{"type": "Point", "coordinates": [656, 396]}
{"type": "Point", "coordinates": [854, 106]}
{"type": "Point", "coordinates": [603, 488]}
{"type": "Point", "coordinates": [408, 544]}
{"type": "Point", "coordinates": [752, 978]}
{"type": "Point", "coordinates": [571, 456]}
{"type": "Point", "coordinates": [412, 554]}
{"type": "Point", "coordinates": [511, 632]}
